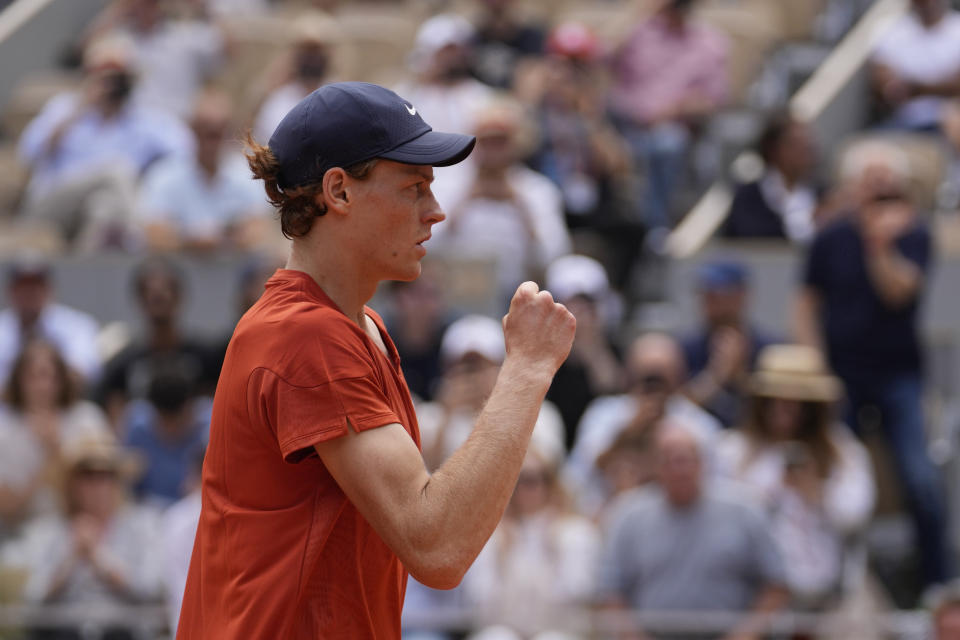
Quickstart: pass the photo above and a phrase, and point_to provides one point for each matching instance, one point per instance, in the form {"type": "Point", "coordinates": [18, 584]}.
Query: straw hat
{"type": "Point", "coordinates": [794, 372]}
{"type": "Point", "coordinates": [101, 453]}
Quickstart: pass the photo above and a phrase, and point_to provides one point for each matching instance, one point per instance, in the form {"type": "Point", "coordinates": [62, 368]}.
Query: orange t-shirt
{"type": "Point", "coordinates": [280, 552]}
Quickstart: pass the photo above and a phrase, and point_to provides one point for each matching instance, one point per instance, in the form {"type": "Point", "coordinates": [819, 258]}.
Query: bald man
{"type": "Point", "coordinates": [683, 545]}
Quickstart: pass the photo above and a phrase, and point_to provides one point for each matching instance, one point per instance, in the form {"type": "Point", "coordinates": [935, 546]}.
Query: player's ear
{"type": "Point", "coordinates": [335, 190]}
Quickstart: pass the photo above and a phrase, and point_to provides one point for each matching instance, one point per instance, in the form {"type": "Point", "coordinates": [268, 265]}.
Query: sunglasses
{"type": "Point", "coordinates": [887, 197]}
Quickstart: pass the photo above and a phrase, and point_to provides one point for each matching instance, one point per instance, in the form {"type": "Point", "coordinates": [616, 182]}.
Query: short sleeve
{"type": "Point", "coordinates": [307, 416]}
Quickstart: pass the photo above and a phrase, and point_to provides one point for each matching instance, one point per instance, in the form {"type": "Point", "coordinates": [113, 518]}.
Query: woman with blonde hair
{"type": "Point", "coordinates": [807, 469]}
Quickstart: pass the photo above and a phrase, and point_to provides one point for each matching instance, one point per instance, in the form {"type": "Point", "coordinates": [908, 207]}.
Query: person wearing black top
{"type": "Point", "coordinates": [782, 202]}
{"type": "Point", "coordinates": [158, 285]}
{"type": "Point", "coordinates": [721, 353]}
{"type": "Point", "coordinates": [862, 286]}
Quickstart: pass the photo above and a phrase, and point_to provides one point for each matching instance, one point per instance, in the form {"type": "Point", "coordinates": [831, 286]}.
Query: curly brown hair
{"type": "Point", "coordinates": [298, 207]}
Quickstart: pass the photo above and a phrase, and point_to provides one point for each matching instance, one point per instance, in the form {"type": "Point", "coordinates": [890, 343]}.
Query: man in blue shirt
{"type": "Point", "coordinates": [861, 291]}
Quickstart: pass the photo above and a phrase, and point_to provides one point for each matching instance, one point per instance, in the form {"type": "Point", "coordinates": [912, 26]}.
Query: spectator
{"type": "Point", "coordinates": [721, 353]}
{"type": "Point", "coordinates": [782, 203]}
{"type": "Point", "coordinates": [178, 528]}
{"type": "Point", "coordinates": [472, 351]}
{"type": "Point", "coordinates": [540, 561]}
{"type": "Point", "coordinates": [655, 373]}
{"type": "Point", "coordinates": [158, 286]}
{"type": "Point", "coordinates": [417, 320]}
{"type": "Point", "coordinates": [442, 90]}
{"type": "Point", "coordinates": [806, 468]}
{"type": "Point", "coordinates": [916, 65]}
{"type": "Point", "coordinates": [34, 314]}
{"type": "Point", "coordinates": [668, 76]}
{"type": "Point", "coordinates": [167, 430]}
{"type": "Point", "coordinates": [41, 413]}
{"type": "Point", "coordinates": [101, 551]}
{"type": "Point", "coordinates": [86, 150]}
{"type": "Point", "coordinates": [298, 72]}
{"type": "Point", "coordinates": [581, 151]}
{"type": "Point", "coordinates": [499, 209]}
{"type": "Point", "coordinates": [861, 292]}
{"type": "Point", "coordinates": [503, 41]}
{"type": "Point", "coordinates": [683, 545]}
{"type": "Point", "coordinates": [593, 367]}
{"type": "Point", "coordinates": [174, 58]}
{"type": "Point", "coordinates": [206, 202]}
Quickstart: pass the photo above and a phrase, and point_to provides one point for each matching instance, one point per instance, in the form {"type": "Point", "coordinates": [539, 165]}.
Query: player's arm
{"type": "Point", "coordinates": [437, 524]}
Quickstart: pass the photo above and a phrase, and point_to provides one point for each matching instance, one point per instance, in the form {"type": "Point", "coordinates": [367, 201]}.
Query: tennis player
{"type": "Point", "coordinates": [316, 501]}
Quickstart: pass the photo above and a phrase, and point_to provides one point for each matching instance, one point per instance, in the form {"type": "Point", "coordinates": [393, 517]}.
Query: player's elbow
{"type": "Point", "coordinates": [439, 577]}
{"type": "Point", "coordinates": [438, 569]}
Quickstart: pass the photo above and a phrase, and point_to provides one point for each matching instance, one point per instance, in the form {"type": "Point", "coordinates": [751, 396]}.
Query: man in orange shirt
{"type": "Point", "coordinates": [316, 501]}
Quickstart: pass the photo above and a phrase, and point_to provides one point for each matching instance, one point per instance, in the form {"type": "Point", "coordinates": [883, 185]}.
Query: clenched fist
{"type": "Point", "coordinates": [538, 331]}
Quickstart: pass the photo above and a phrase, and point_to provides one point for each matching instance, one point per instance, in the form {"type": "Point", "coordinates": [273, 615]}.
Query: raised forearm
{"type": "Point", "coordinates": [895, 278]}
{"type": "Point", "coordinates": [462, 503]}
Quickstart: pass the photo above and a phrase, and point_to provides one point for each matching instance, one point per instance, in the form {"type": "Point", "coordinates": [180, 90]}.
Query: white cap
{"type": "Point", "coordinates": [473, 334]}
{"type": "Point", "coordinates": [575, 275]}
{"type": "Point", "coordinates": [441, 31]}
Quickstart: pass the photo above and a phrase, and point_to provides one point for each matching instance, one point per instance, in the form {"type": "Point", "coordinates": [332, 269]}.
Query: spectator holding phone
{"type": "Point", "coordinates": [655, 372]}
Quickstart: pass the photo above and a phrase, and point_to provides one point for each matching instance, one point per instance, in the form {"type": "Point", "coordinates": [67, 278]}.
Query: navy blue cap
{"type": "Point", "coordinates": [722, 274]}
{"type": "Point", "coordinates": [344, 123]}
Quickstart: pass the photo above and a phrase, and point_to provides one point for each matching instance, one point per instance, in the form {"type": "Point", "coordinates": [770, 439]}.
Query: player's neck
{"type": "Point", "coordinates": [338, 278]}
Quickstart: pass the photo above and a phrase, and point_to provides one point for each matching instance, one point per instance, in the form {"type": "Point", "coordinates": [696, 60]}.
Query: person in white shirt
{"type": "Point", "coordinates": [499, 209]}
{"type": "Point", "coordinates": [810, 472]}
{"type": "Point", "coordinates": [174, 57]}
{"type": "Point", "coordinates": [916, 65]}
{"type": "Point", "coordinates": [655, 372]}
{"type": "Point", "coordinates": [86, 151]}
{"type": "Point", "coordinates": [34, 314]}
{"type": "Point", "coordinates": [207, 201]}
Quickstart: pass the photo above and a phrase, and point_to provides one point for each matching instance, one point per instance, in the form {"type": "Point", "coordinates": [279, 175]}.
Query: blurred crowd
{"type": "Point", "coordinates": [721, 470]}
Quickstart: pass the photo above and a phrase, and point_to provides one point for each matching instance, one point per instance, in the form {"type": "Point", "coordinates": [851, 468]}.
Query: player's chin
{"type": "Point", "coordinates": [409, 273]}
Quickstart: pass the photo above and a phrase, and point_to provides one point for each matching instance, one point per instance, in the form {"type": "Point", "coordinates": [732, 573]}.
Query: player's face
{"type": "Point", "coordinates": [395, 211]}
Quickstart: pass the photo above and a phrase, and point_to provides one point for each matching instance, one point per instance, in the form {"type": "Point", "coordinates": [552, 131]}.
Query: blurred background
{"type": "Point", "coordinates": [751, 206]}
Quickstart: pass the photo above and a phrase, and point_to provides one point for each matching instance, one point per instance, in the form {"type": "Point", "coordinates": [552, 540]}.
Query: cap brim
{"type": "Point", "coordinates": [433, 148]}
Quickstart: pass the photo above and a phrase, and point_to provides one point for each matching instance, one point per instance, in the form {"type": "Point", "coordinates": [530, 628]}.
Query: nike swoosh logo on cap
{"type": "Point", "coordinates": [412, 110]}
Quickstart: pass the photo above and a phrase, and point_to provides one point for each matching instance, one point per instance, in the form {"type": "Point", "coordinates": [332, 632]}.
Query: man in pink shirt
{"type": "Point", "coordinates": [668, 75]}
